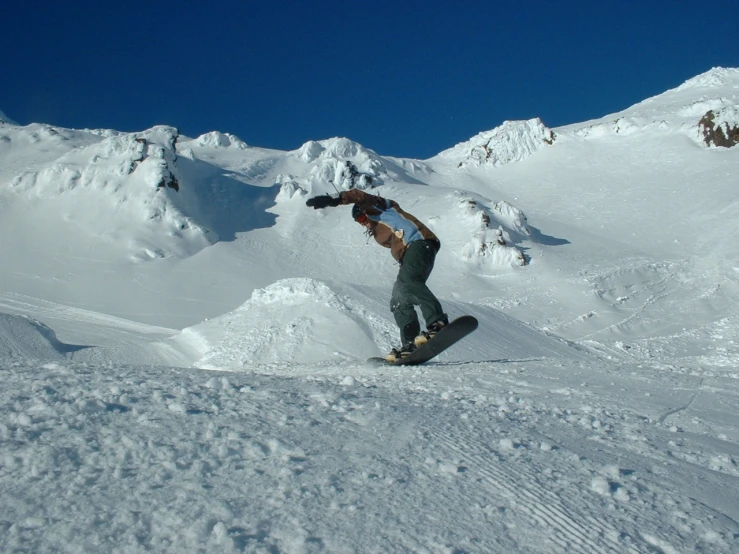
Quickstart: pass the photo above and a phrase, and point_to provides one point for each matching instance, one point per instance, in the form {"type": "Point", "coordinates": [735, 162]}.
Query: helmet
{"type": "Point", "coordinates": [357, 212]}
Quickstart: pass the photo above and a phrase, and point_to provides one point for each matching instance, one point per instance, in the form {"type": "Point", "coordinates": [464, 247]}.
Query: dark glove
{"type": "Point", "coordinates": [323, 201]}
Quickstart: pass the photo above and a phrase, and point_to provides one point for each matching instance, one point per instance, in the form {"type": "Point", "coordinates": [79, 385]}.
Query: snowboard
{"type": "Point", "coordinates": [450, 334]}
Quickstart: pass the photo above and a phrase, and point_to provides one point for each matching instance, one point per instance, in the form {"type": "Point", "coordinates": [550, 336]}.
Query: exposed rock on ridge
{"type": "Point", "coordinates": [512, 141]}
{"type": "Point", "coordinates": [721, 127]}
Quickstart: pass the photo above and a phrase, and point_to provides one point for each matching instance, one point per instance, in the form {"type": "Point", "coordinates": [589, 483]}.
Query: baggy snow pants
{"type": "Point", "coordinates": [410, 290]}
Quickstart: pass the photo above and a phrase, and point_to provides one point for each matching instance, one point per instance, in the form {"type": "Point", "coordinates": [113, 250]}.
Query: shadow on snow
{"type": "Point", "coordinates": [223, 203]}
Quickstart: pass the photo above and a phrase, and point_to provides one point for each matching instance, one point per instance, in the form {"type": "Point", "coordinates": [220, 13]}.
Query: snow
{"type": "Point", "coordinates": [510, 142]}
{"type": "Point", "coordinates": [5, 119]}
{"type": "Point", "coordinates": [183, 342]}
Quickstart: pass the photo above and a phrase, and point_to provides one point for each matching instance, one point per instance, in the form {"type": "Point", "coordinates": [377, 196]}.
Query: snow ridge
{"type": "Point", "coordinates": [713, 78]}
{"type": "Point", "coordinates": [680, 110]}
{"type": "Point", "coordinates": [5, 119]}
{"type": "Point", "coordinates": [133, 176]}
{"type": "Point", "coordinates": [510, 142]}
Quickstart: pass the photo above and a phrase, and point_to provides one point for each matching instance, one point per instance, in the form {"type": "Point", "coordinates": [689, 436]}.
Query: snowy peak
{"type": "Point", "coordinates": [216, 139]}
{"type": "Point", "coordinates": [343, 162]}
{"type": "Point", "coordinates": [337, 147]}
{"type": "Point", "coordinates": [703, 108]}
{"type": "Point", "coordinates": [5, 119]}
{"type": "Point", "coordinates": [717, 77]}
{"type": "Point", "coordinates": [512, 141]}
{"type": "Point", "coordinates": [719, 125]}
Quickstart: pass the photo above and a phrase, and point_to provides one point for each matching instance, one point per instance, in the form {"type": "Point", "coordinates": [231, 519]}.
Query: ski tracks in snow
{"type": "Point", "coordinates": [525, 503]}
{"type": "Point", "coordinates": [484, 458]}
{"type": "Point", "coordinates": [546, 462]}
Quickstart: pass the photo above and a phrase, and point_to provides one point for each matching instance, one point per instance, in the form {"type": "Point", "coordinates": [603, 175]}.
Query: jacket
{"type": "Point", "coordinates": [389, 225]}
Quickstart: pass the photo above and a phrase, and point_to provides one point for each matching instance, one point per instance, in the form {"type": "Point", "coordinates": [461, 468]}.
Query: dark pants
{"type": "Point", "coordinates": [410, 290]}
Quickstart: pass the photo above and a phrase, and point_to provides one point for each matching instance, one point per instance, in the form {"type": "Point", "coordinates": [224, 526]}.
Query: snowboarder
{"type": "Point", "coordinates": [414, 246]}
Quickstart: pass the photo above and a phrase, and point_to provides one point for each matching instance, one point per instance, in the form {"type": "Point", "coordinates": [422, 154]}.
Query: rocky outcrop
{"type": "Point", "coordinates": [512, 141]}
{"type": "Point", "coordinates": [493, 232]}
{"type": "Point", "coordinates": [720, 127]}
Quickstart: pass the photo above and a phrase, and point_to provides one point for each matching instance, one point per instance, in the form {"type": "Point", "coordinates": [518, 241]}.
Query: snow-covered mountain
{"type": "Point", "coordinates": [593, 410]}
{"type": "Point", "coordinates": [5, 119]}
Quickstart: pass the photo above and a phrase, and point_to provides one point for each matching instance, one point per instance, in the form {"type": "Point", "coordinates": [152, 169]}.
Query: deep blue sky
{"type": "Point", "coordinates": [405, 78]}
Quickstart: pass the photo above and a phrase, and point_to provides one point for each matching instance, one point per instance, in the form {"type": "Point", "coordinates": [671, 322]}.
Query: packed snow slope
{"type": "Point", "coordinates": [182, 341]}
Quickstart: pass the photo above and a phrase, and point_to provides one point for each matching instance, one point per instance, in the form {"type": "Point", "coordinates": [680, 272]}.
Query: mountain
{"type": "Point", "coordinates": [5, 119]}
{"type": "Point", "coordinates": [182, 340]}
{"type": "Point", "coordinates": [608, 207]}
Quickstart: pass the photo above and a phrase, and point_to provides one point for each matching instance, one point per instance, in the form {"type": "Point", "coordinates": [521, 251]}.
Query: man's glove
{"type": "Point", "coordinates": [323, 201]}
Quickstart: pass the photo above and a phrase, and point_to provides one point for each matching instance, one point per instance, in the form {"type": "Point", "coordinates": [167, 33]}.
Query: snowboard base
{"type": "Point", "coordinates": [450, 334]}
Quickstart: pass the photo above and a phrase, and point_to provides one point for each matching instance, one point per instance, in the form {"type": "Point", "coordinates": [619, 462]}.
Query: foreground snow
{"type": "Point", "coordinates": [530, 455]}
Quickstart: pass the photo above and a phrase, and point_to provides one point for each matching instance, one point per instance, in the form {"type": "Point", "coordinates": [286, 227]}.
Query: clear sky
{"type": "Point", "coordinates": [405, 78]}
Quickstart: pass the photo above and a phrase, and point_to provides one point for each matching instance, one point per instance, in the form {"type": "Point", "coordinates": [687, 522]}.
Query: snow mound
{"type": "Point", "coordinates": [491, 233]}
{"type": "Point", "coordinates": [512, 141]}
{"type": "Point", "coordinates": [216, 139]}
{"type": "Point", "coordinates": [288, 189]}
{"type": "Point", "coordinates": [337, 147]}
{"type": "Point", "coordinates": [343, 162]}
{"type": "Point", "coordinates": [301, 321]}
{"type": "Point", "coordinates": [26, 338]}
{"type": "Point", "coordinates": [293, 320]}
{"type": "Point", "coordinates": [322, 167]}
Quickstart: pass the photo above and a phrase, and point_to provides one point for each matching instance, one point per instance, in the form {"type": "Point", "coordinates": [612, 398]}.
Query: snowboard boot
{"type": "Point", "coordinates": [398, 353]}
{"type": "Point", "coordinates": [431, 331]}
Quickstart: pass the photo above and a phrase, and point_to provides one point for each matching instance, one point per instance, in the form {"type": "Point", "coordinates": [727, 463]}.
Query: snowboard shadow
{"type": "Point", "coordinates": [480, 362]}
